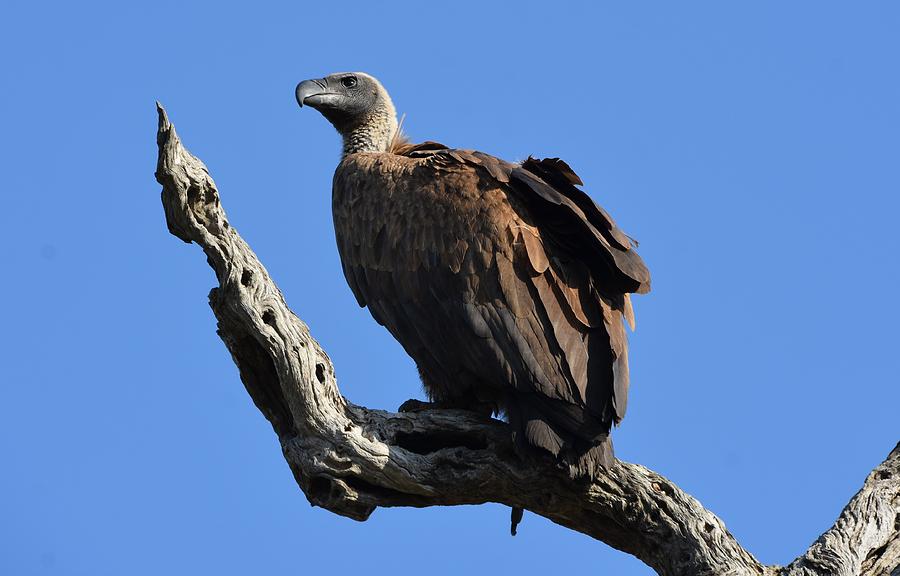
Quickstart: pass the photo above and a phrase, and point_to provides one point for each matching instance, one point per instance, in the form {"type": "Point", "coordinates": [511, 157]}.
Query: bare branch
{"type": "Point", "coordinates": [865, 539]}
{"type": "Point", "coordinates": [351, 460]}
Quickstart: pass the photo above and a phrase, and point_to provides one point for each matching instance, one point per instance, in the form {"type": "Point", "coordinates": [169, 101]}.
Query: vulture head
{"type": "Point", "coordinates": [357, 105]}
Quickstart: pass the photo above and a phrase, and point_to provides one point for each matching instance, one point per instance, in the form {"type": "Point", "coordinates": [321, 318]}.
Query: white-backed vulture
{"type": "Point", "coordinates": [505, 282]}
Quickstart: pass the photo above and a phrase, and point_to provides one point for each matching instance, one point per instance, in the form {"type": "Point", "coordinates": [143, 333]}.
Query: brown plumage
{"type": "Point", "coordinates": [504, 282]}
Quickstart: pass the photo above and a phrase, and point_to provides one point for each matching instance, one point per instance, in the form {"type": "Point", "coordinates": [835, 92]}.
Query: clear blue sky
{"type": "Point", "coordinates": [752, 147]}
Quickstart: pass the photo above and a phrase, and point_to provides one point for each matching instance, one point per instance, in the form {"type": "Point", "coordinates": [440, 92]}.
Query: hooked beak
{"type": "Point", "coordinates": [315, 93]}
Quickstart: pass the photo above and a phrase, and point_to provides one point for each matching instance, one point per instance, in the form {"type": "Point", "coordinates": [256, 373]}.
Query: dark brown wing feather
{"type": "Point", "coordinates": [505, 283]}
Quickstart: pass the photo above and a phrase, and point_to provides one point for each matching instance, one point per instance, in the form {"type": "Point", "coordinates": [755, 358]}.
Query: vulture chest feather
{"type": "Point", "coordinates": [392, 215]}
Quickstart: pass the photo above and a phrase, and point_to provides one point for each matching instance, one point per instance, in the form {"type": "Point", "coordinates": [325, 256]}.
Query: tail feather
{"type": "Point", "coordinates": [583, 456]}
{"type": "Point", "coordinates": [592, 462]}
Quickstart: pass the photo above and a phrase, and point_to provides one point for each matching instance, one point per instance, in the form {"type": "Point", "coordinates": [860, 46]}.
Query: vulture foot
{"type": "Point", "coordinates": [413, 405]}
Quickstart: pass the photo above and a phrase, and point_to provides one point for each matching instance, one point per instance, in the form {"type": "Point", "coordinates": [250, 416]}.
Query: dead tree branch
{"type": "Point", "coordinates": [351, 460]}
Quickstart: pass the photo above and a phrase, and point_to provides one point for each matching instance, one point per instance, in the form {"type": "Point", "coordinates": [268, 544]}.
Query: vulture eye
{"type": "Point", "coordinates": [348, 81]}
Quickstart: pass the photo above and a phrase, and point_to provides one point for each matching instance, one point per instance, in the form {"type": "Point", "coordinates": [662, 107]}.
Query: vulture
{"type": "Point", "coordinates": [505, 282]}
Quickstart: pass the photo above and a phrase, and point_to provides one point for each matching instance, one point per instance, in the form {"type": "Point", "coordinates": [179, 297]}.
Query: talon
{"type": "Point", "coordinates": [413, 405]}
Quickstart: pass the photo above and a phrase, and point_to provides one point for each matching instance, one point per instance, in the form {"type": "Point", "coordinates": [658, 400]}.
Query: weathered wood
{"type": "Point", "coordinates": [351, 460]}
{"type": "Point", "coordinates": [866, 537]}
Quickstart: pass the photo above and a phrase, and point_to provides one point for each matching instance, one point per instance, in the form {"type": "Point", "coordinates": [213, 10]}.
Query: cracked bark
{"type": "Point", "coordinates": [350, 459]}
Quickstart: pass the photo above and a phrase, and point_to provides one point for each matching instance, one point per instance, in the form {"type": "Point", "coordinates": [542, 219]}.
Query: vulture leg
{"type": "Point", "coordinates": [480, 408]}
{"type": "Point", "coordinates": [462, 402]}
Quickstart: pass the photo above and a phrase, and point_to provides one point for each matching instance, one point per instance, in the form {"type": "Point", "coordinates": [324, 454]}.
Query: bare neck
{"type": "Point", "coordinates": [374, 134]}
